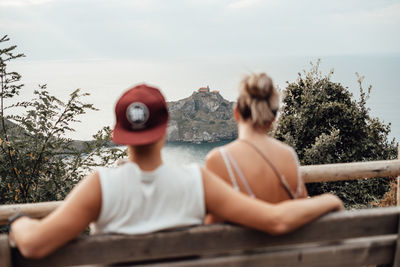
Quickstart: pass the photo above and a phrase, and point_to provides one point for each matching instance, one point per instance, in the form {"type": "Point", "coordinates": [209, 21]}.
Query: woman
{"type": "Point", "coordinates": [256, 164]}
{"type": "Point", "coordinates": [146, 195]}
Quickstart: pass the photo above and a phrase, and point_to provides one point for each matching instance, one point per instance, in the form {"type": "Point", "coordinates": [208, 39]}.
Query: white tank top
{"type": "Point", "coordinates": [138, 202]}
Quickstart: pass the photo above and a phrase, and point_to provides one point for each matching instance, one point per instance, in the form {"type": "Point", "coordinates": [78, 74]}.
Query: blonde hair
{"type": "Point", "coordinates": [258, 100]}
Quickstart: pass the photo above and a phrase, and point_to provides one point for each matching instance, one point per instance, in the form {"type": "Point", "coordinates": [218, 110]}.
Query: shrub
{"type": "Point", "coordinates": [324, 124]}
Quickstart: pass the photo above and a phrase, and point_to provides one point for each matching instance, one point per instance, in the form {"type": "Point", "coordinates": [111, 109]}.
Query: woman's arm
{"type": "Point", "coordinates": [37, 238]}
{"type": "Point", "coordinates": [275, 219]}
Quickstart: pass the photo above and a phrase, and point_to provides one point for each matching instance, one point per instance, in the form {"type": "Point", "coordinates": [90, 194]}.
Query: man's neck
{"type": "Point", "coordinates": [148, 161]}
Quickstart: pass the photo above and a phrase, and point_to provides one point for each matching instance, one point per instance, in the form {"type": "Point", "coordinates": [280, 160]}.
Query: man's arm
{"type": "Point", "coordinates": [214, 163]}
{"type": "Point", "coordinates": [37, 238]}
{"type": "Point", "coordinates": [275, 219]}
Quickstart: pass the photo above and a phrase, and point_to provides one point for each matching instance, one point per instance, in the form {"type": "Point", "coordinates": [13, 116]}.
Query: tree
{"type": "Point", "coordinates": [38, 162]}
{"type": "Point", "coordinates": [324, 124]}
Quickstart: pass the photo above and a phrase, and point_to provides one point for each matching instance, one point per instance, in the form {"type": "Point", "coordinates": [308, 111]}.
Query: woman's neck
{"type": "Point", "coordinates": [247, 131]}
{"type": "Point", "coordinates": [147, 159]}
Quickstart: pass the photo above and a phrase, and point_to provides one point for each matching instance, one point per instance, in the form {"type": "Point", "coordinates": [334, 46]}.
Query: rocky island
{"type": "Point", "coordinates": [205, 116]}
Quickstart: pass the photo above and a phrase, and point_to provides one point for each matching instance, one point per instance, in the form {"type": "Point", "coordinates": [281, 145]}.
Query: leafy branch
{"type": "Point", "coordinates": [38, 162]}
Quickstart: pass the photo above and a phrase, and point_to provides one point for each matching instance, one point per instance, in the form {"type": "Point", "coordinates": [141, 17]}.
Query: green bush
{"type": "Point", "coordinates": [324, 124]}
{"type": "Point", "coordinates": [38, 162]}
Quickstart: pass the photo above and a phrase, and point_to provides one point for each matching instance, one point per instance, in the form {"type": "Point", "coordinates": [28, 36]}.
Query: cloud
{"type": "Point", "coordinates": [23, 3]}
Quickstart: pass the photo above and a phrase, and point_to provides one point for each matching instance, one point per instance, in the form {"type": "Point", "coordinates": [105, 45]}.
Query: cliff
{"type": "Point", "coordinates": [202, 117]}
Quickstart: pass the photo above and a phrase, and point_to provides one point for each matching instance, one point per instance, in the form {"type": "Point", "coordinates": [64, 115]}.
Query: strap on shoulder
{"type": "Point", "coordinates": [229, 168]}
{"type": "Point", "coordinates": [240, 174]}
{"type": "Point", "coordinates": [281, 178]}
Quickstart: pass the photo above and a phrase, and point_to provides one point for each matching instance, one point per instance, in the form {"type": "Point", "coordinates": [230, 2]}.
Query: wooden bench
{"type": "Point", "coordinates": [348, 238]}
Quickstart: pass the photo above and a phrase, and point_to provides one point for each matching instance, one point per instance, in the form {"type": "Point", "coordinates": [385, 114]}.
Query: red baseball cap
{"type": "Point", "coordinates": [141, 115]}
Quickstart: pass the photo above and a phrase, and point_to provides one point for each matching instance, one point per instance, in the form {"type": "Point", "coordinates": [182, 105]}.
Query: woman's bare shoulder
{"type": "Point", "coordinates": [215, 154]}
{"type": "Point", "coordinates": [214, 160]}
{"type": "Point", "coordinates": [285, 150]}
{"type": "Point", "coordinates": [281, 145]}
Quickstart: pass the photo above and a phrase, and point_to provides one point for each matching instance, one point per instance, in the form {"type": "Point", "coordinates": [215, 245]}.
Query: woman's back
{"type": "Point", "coordinates": [265, 182]}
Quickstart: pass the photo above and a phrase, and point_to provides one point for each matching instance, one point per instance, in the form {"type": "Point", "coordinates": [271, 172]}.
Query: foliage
{"type": "Point", "coordinates": [38, 162]}
{"type": "Point", "coordinates": [324, 124]}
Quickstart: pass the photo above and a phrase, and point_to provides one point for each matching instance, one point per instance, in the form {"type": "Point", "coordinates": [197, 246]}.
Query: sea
{"type": "Point", "coordinates": [106, 79]}
{"type": "Point", "coordinates": [186, 153]}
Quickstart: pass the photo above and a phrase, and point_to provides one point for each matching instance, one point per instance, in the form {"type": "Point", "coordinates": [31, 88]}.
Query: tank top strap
{"type": "Point", "coordinates": [240, 174]}
{"type": "Point", "coordinates": [229, 168]}
{"type": "Point", "coordinates": [281, 178]}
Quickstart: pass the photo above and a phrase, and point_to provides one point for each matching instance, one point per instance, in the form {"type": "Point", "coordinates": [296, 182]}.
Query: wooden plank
{"type": "Point", "coordinates": [212, 239]}
{"type": "Point", "coordinates": [34, 210]}
{"type": "Point", "coordinates": [365, 251]}
{"type": "Point", "coordinates": [5, 252]}
{"type": "Point", "coordinates": [350, 171]}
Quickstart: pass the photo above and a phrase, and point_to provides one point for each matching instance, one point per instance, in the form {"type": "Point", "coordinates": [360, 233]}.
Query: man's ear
{"type": "Point", "coordinates": [236, 113]}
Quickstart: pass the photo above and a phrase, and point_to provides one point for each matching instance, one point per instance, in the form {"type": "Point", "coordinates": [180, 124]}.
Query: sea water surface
{"type": "Point", "coordinates": [185, 153]}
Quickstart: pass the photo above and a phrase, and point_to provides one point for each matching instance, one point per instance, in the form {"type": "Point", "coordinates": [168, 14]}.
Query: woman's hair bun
{"type": "Point", "coordinates": [258, 85]}
{"type": "Point", "coordinates": [258, 100]}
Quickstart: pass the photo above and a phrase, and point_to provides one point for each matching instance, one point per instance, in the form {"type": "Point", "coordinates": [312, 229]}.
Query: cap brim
{"type": "Point", "coordinates": [121, 136]}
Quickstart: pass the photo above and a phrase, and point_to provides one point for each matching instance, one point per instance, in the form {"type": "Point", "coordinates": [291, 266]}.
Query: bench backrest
{"type": "Point", "coordinates": [349, 237]}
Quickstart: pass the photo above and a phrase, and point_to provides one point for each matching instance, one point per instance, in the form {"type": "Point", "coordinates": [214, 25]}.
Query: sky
{"type": "Point", "coordinates": [104, 47]}
{"type": "Point", "coordinates": [159, 29]}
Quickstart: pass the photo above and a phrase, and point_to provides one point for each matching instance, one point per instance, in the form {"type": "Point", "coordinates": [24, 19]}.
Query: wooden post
{"type": "Point", "coordinates": [35, 210]}
{"type": "Point", "coordinates": [350, 171]}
